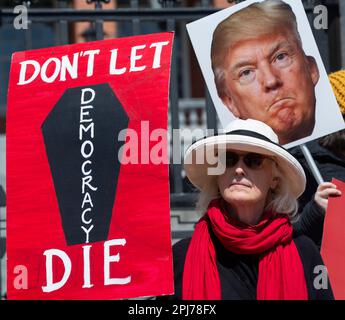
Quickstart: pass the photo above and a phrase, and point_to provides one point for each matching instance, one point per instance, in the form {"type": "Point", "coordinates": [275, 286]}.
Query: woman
{"type": "Point", "coordinates": [243, 247]}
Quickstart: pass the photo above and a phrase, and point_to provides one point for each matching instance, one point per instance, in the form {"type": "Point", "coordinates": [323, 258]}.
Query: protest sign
{"type": "Point", "coordinates": [87, 176]}
{"type": "Point", "coordinates": [333, 242]}
{"type": "Point", "coordinates": [260, 60]}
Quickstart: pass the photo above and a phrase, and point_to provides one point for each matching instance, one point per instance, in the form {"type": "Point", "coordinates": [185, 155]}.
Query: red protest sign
{"type": "Point", "coordinates": [333, 242]}
{"type": "Point", "coordinates": [87, 171]}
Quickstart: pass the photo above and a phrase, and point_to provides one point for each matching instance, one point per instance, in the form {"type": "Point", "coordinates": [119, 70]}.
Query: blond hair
{"type": "Point", "coordinates": [256, 20]}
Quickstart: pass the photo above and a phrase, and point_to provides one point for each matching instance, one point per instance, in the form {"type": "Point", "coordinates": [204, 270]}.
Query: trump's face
{"type": "Point", "coordinates": [270, 79]}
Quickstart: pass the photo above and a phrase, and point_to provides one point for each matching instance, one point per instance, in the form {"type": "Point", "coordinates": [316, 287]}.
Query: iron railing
{"type": "Point", "coordinates": [171, 16]}
{"type": "Point", "coordinates": [174, 19]}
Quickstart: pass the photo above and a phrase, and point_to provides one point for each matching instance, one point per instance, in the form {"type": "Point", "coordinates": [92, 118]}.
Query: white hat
{"type": "Point", "coordinates": [243, 135]}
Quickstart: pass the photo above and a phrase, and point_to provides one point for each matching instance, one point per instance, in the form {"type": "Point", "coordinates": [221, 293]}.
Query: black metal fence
{"type": "Point", "coordinates": [167, 18]}
{"type": "Point", "coordinates": [190, 104]}
{"type": "Point", "coordinates": [136, 19]}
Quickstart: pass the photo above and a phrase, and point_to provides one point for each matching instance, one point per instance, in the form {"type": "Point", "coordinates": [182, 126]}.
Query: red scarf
{"type": "Point", "coordinates": [281, 273]}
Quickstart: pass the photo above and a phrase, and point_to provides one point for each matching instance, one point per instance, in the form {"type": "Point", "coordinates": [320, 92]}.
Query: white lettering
{"type": "Point", "coordinates": [83, 146]}
{"type": "Point", "coordinates": [51, 286]}
{"type": "Point", "coordinates": [112, 67]}
{"type": "Point", "coordinates": [54, 255]}
{"type": "Point", "coordinates": [90, 61]}
{"type": "Point", "coordinates": [86, 150]}
{"type": "Point", "coordinates": [86, 182]}
{"type": "Point", "coordinates": [87, 199]}
{"type": "Point", "coordinates": [82, 128]}
{"type": "Point", "coordinates": [84, 92]}
{"type": "Point", "coordinates": [115, 258]}
{"type": "Point", "coordinates": [67, 66]}
{"type": "Point", "coordinates": [83, 167]}
{"type": "Point", "coordinates": [22, 72]}
{"type": "Point", "coordinates": [84, 114]}
{"type": "Point", "coordinates": [135, 57]}
{"type": "Point", "coordinates": [86, 255]}
{"type": "Point", "coordinates": [52, 78]}
{"type": "Point", "coordinates": [158, 51]}
{"type": "Point", "coordinates": [83, 216]}
{"type": "Point", "coordinates": [87, 231]}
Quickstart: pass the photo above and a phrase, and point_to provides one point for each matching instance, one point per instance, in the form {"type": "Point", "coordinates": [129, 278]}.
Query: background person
{"type": "Point", "coordinates": [243, 247]}
{"type": "Point", "coordinates": [261, 71]}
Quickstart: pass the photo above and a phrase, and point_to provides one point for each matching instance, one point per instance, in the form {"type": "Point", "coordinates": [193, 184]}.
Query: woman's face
{"type": "Point", "coordinates": [247, 179]}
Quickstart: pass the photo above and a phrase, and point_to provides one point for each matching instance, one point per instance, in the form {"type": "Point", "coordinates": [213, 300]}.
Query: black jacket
{"type": "Point", "coordinates": [330, 166]}
{"type": "Point", "coordinates": [310, 222]}
{"type": "Point", "coordinates": [239, 273]}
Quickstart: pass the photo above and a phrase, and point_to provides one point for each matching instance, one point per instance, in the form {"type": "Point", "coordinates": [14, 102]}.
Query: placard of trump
{"type": "Point", "coordinates": [260, 61]}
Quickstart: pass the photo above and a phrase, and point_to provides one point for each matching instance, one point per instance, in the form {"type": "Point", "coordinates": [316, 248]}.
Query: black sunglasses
{"type": "Point", "coordinates": [251, 160]}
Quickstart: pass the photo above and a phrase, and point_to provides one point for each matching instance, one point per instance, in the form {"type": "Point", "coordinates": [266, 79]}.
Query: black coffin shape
{"type": "Point", "coordinates": [94, 148]}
